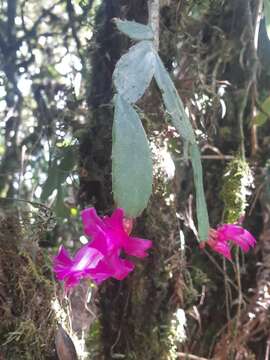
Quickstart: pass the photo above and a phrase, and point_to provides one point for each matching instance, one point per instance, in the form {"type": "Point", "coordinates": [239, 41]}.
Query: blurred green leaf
{"type": "Point", "coordinates": [181, 122]}
{"type": "Point", "coordinates": [202, 213]}
{"type": "Point", "coordinates": [51, 182]}
{"type": "Point", "coordinates": [52, 72]}
{"type": "Point", "coordinates": [131, 160]}
{"type": "Point", "coordinates": [267, 16]}
{"type": "Point", "coordinates": [67, 163]}
{"type": "Point", "coordinates": [2, 150]}
{"type": "Point", "coordinates": [134, 30]}
{"type": "Point", "coordinates": [134, 71]}
{"type": "Point", "coordinates": [263, 115]}
{"type": "Point", "coordinates": [173, 102]}
{"type": "Point", "coordinates": [59, 206]}
{"type": "Point", "coordinates": [59, 171]}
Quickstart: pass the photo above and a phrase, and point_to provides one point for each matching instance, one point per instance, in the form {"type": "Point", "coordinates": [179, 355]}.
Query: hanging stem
{"type": "Point", "coordinates": [153, 14]}
{"type": "Point", "coordinates": [254, 90]}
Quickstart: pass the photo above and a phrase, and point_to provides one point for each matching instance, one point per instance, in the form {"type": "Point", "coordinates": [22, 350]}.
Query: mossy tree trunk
{"type": "Point", "coordinates": [135, 313]}
{"type": "Point", "coordinates": [28, 324]}
{"type": "Point", "coordinates": [217, 53]}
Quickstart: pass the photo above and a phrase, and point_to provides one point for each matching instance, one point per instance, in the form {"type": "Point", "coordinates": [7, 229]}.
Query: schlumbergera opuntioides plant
{"type": "Point", "coordinates": [132, 177]}
{"type": "Point", "coordinates": [131, 156]}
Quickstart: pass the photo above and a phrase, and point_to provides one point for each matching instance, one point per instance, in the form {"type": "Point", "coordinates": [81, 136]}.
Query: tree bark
{"type": "Point", "coordinates": [135, 314]}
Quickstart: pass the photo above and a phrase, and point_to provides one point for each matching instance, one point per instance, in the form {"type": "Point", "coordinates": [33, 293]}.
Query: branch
{"type": "Point", "coordinates": [153, 20]}
{"type": "Point", "coordinates": [32, 31]}
{"type": "Point", "coordinates": [11, 14]}
{"type": "Point", "coordinates": [72, 21]}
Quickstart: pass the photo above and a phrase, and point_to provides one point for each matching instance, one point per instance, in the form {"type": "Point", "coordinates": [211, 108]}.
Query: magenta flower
{"type": "Point", "coordinates": [72, 270]}
{"type": "Point", "coordinates": [89, 263]}
{"type": "Point", "coordinates": [100, 258]}
{"type": "Point", "coordinates": [219, 239]}
{"type": "Point", "coordinates": [109, 235]}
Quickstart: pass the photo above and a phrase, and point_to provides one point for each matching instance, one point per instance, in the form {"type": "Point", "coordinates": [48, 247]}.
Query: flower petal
{"type": "Point", "coordinates": [86, 258]}
{"type": "Point", "coordinates": [71, 271]}
{"type": "Point", "coordinates": [137, 247]}
{"type": "Point", "coordinates": [92, 223]}
{"type": "Point", "coordinates": [62, 263]}
{"type": "Point", "coordinates": [222, 248]}
{"type": "Point", "coordinates": [112, 266]}
{"type": "Point", "coordinates": [237, 235]}
{"type": "Point", "coordinates": [120, 266]}
{"type": "Point", "coordinates": [106, 236]}
{"type": "Point", "coordinates": [249, 238]}
{"type": "Point", "coordinates": [226, 232]}
{"type": "Point", "coordinates": [231, 229]}
{"type": "Point", "coordinates": [116, 219]}
{"type": "Point", "coordinates": [101, 272]}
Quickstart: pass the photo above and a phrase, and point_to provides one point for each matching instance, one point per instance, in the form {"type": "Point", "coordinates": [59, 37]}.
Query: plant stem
{"type": "Point", "coordinates": [153, 14]}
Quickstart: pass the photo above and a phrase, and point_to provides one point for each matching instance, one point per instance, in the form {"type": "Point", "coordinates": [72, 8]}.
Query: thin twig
{"type": "Point", "coordinates": [219, 268]}
{"type": "Point", "coordinates": [240, 293]}
{"type": "Point", "coordinates": [254, 90]}
{"type": "Point", "coordinates": [209, 157]}
{"type": "Point", "coordinates": [267, 351]}
{"type": "Point", "coordinates": [227, 290]}
{"type": "Point", "coordinates": [187, 356]}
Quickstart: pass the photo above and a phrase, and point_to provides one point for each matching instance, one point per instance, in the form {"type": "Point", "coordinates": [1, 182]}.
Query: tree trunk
{"type": "Point", "coordinates": [135, 314]}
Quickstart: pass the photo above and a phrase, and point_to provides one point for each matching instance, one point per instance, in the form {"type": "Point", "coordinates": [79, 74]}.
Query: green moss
{"type": "Point", "coordinates": [237, 180]}
{"type": "Point", "coordinates": [27, 321]}
{"type": "Point", "coordinates": [93, 341]}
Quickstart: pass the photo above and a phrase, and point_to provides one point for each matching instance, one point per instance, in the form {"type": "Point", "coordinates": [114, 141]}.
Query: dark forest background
{"type": "Point", "coordinates": [56, 112]}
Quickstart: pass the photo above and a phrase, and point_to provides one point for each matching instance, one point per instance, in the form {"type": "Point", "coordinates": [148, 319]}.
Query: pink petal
{"type": "Point", "coordinates": [106, 236]}
{"type": "Point", "coordinates": [103, 243]}
{"type": "Point", "coordinates": [237, 235]}
{"type": "Point", "coordinates": [222, 248]}
{"type": "Point", "coordinates": [227, 231]}
{"type": "Point", "coordinates": [120, 266]}
{"type": "Point", "coordinates": [71, 271]}
{"type": "Point", "coordinates": [249, 238]}
{"type": "Point", "coordinates": [101, 272]}
{"type": "Point", "coordinates": [112, 266]}
{"type": "Point", "coordinates": [230, 229]}
{"type": "Point", "coordinates": [71, 281]}
{"type": "Point", "coordinates": [137, 247]}
{"type": "Point", "coordinates": [241, 241]}
{"type": "Point", "coordinates": [86, 258]}
{"type": "Point", "coordinates": [61, 262]}
{"type": "Point", "coordinates": [92, 223]}
{"type": "Point", "coordinates": [116, 219]}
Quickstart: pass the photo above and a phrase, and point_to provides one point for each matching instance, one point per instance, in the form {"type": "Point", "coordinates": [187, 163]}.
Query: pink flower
{"type": "Point", "coordinates": [109, 235]}
{"type": "Point", "coordinates": [89, 263]}
{"type": "Point", "coordinates": [100, 258]}
{"type": "Point", "coordinates": [72, 270]}
{"type": "Point", "coordinates": [219, 239]}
